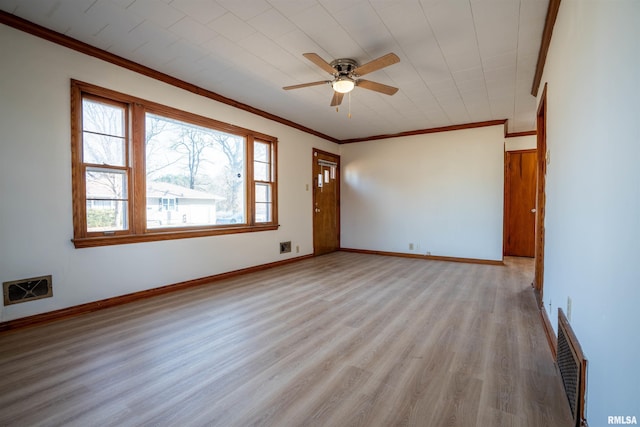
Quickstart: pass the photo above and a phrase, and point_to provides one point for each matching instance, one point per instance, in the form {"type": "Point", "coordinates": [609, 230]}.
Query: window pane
{"type": "Point", "coordinates": [261, 165]}
{"type": "Point", "coordinates": [261, 171]}
{"type": "Point", "coordinates": [103, 150]}
{"type": "Point", "coordinates": [98, 117]}
{"type": "Point", "coordinates": [263, 212]}
{"type": "Point", "coordinates": [263, 192]}
{"type": "Point", "coordinates": [202, 170]}
{"type": "Point", "coordinates": [263, 202]}
{"type": "Point", "coordinates": [106, 215]}
{"type": "Point", "coordinates": [106, 184]}
{"type": "Point", "coordinates": [261, 152]}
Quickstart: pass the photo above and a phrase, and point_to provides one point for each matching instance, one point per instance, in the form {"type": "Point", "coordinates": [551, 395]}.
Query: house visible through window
{"type": "Point", "coordinates": [167, 204]}
{"type": "Point", "coordinates": [195, 171]}
{"type": "Point", "coordinates": [144, 171]}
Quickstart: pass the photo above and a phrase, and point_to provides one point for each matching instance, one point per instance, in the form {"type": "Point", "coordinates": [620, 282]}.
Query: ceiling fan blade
{"type": "Point", "coordinates": [378, 87]}
{"type": "Point", "coordinates": [306, 85]}
{"type": "Point", "coordinates": [315, 58]}
{"type": "Point", "coordinates": [337, 99]}
{"type": "Point", "coordinates": [376, 64]}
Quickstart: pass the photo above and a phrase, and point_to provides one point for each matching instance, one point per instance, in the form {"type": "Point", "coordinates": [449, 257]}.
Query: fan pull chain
{"type": "Point", "coordinates": [349, 107]}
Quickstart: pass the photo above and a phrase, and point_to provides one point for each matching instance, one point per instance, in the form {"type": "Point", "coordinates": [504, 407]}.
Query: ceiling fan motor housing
{"type": "Point", "coordinates": [344, 67]}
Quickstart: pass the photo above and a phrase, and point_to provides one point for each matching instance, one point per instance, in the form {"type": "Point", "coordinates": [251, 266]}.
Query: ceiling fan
{"type": "Point", "coordinates": [346, 75]}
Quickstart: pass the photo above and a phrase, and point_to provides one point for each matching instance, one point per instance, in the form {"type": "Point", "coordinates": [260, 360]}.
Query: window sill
{"type": "Point", "coordinates": [94, 241]}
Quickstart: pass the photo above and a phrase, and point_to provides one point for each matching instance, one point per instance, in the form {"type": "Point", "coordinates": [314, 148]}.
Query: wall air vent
{"type": "Point", "coordinates": [573, 366]}
{"type": "Point", "coordinates": [25, 290]}
{"type": "Point", "coordinates": [285, 247]}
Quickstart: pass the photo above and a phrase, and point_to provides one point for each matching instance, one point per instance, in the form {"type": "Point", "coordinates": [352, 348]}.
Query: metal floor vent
{"type": "Point", "coordinates": [572, 365]}
{"type": "Point", "coordinates": [25, 290]}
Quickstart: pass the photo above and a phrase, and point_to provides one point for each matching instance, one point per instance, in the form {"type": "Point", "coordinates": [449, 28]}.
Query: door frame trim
{"type": "Point", "coordinates": [541, 146]}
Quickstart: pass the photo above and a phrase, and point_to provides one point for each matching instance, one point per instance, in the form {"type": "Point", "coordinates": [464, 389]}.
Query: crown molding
{"type": "Point", "coordinates": [549, 23]}
{"type": "Point", "coordinates": [71, 43]}
{"type": "Point", "coordinates": [84, 48]}
{"type": "Point", "coordinates": [425, 131]}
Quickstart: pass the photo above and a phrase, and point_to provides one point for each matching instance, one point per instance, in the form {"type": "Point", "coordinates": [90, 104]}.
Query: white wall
{"type": "Point", "coordinates": [593, 194]}
{"type": "Point", "coordinates": [528, 142]}
{"type": "Point", "coordinates": [35, 185]}
{"type": "Point", "coordinates": [443, 192]}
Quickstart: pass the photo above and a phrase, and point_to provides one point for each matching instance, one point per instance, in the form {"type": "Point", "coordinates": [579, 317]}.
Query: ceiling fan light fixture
{"type": "Point", "coordinates": [343, 85]}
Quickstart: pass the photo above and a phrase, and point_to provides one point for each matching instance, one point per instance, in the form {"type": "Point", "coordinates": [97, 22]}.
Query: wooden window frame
{"type": "Point", "coordinates": [271, 170]}
{"type": "Point", "coordinates": [137, 232]}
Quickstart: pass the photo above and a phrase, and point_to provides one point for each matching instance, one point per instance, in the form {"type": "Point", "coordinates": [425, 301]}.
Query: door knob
{"type": "Point", "coordinates": [533, 210]}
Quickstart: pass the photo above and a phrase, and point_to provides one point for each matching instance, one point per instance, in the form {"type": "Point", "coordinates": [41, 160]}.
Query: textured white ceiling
{"type": "Point", "coordinates": [461, 61]}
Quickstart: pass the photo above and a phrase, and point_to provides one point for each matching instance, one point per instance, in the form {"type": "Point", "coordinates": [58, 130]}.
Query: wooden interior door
{"type": "Point", "coordinates": [541, 125]}
{"type": "Point", "coordinates": [520, 204]}
{"type": "Point", "coordinates": [326, 202]}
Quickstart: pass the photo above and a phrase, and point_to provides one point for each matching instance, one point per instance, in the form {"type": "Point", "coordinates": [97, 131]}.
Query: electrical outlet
{"type": "Point", "coordinates": [297, 249]}
{"type": "Point", "coordinates": [428, 253]}
{"type": "Point", "coordinates": [410, 246]}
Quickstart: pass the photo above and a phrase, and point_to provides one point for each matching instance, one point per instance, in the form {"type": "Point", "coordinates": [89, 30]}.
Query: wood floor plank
{"type": "Point", "coordinates": [345, 339]}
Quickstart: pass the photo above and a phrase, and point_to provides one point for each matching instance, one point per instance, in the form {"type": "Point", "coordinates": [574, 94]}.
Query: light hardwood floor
{"type": "Point", "coordinates": [345, 339]}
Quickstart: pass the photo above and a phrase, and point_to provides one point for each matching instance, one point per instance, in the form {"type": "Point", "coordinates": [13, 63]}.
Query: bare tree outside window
{"type": "Point", "coordinates": [201, 168]}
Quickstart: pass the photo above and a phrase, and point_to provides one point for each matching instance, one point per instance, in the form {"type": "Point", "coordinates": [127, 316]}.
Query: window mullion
{"type": "Point", "coordinates": [77, 169]}
{"type": "Point", "coordinates": [138, 173]}
{"type": "Point", "coordinates": [250, 181]}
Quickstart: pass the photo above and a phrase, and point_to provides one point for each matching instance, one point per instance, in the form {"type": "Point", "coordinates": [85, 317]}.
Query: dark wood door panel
{"type": "Point", "coordinates": [326, 202]}
{"type": "Point", "coordinates": [520, 206]}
